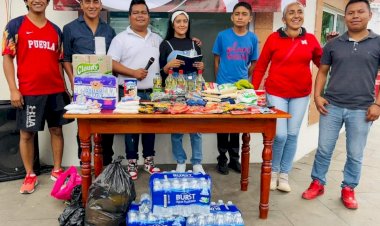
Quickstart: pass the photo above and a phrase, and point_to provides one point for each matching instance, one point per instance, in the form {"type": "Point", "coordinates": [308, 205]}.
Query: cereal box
{"type": "Point", "coordinates": [84, 64]}
{"type": "Point", "coordinates": [130, 88]}
{"type": "Point", "coordinates": [100, 89]}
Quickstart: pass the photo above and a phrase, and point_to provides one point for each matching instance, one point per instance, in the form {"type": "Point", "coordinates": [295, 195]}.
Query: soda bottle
{"type": "Point", "coordinates": [199, 82]}
{"type": "Point", "coordinates": [181, 82]}
{"type": "Point", "coordinates": [170, 83]}
{"type": "Point", "coordinates": [157, 83]}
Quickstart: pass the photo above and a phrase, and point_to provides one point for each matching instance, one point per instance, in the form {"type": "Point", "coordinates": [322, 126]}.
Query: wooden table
{"type": "Point", "coordinates": [107, 122]}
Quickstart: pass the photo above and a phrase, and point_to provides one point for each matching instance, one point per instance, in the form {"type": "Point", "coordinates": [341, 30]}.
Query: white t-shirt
{"type": "Point", "coordinates": [134, 51]}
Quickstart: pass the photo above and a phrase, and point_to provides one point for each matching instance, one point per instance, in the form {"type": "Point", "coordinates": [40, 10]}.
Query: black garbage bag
{"type": "Point", "coordinates": [73, 214]}
{"type": "Point", "coordinates": [110, 196]}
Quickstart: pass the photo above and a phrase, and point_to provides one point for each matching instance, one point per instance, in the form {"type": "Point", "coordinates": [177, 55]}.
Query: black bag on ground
{"type": "Point", "coordinates": [110, 196]}
{"type": "Point", "coordinates": [73, 214]}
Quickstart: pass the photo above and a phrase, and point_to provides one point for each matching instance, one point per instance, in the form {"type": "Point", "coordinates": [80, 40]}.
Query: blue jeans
{"type": "Point", "coordinates": [357, 129]}
{"type": "Point", "coordinates": [285, 142]}
{"type": "Point", "coordinates": [132, 140]}
{"type": "Point", "coordinates": [196, 147]}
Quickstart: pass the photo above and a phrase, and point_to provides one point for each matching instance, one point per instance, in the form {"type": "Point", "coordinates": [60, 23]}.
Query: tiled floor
{"type": "Point", "coordinates": [285, 208]}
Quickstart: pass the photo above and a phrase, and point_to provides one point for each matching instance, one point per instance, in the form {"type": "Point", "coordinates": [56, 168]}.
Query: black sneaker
{"type": "Point", "coordinates": [222, 167]}
{"type": "Point", "coordinates": [235, 165]}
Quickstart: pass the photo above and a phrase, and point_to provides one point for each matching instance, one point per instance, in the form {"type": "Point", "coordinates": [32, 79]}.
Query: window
{"type": "Point", "coordinates": [332, 20]}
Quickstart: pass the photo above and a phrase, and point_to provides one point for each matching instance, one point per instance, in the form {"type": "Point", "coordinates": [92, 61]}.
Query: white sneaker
{"type": "Point", "coordinates": [181, 168]}
{"type": "Point", "coordinates": [274, 181]}
{"type": "Point", "coordinates": [198, 169]}
{"type": "Point", "coordinates": [283, 183]}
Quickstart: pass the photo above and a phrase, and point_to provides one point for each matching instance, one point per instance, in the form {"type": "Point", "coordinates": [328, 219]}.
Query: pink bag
{"type": "Point", "coordinates": [65, 184]}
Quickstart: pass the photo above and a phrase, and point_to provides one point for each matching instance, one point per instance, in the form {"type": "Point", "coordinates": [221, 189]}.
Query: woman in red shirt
{"type": "Point", "coordinates": [289, 51]}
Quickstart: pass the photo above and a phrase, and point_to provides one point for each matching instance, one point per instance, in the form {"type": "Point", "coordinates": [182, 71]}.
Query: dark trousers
{"type": "Point", "coordinates": [132, 140]}
{"type": "Point", "coordinates": [132, 144]}
{"type": "Point", "coordinates": [228, 142]}
{"type": "Point", "coordinates": [107, 142]}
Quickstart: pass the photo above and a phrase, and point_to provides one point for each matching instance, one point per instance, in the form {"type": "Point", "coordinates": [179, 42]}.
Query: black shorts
{"type": "Point", "coordinates": [41, 108]}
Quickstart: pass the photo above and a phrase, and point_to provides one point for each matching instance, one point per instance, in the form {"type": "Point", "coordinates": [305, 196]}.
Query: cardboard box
{"type": "Point", "coordinates": [96, 88]}
{"type": "Point", "coordinates": [84, 64]}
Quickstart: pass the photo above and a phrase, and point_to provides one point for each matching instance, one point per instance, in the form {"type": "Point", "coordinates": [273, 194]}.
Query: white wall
{"type": "Point", "coordinates": [374, 23]}
{"type": "Point", "coordinates": [307, 140]}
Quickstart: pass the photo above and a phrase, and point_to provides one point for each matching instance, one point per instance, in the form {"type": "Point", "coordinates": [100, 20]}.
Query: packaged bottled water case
{"type": "Point", "coordinates": [138, 218]}
{"type": "Point", "coordinates": [182, 194]}
{"type": "Point", "coordinates": [221, 214]}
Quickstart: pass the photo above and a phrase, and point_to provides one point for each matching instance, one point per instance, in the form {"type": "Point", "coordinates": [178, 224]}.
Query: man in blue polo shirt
{"type": "Point", "coordinates": [79, 38]}
{"type": "Point", "coordinates": [349, 99]}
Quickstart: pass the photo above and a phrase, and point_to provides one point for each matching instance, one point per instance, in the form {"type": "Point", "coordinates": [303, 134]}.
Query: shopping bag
{"type": "Point", "coordinates": [65, 184]}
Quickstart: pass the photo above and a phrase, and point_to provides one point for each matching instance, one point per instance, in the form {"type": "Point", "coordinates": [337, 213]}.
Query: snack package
{"type": "Point", "coordinates": [247, 96]}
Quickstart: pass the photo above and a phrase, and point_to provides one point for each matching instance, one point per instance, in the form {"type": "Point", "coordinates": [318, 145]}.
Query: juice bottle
{"type": "Point", "coordinates": [199, 82]}
{"type": "Point", "coordinates": [181, 82]}
{"type": "Point", "coordinates": [157, 83]}
{"type": "Point", "coordinates": [170, 82]}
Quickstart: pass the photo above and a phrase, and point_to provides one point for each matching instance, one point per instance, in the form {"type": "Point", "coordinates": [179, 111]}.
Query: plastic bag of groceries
{"type": "Point", "coordinates": [73, 214]}
{"type": "Point", "coordinates": [110, 196]}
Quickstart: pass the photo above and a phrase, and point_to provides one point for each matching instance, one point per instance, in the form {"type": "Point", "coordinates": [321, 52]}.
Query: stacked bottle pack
{"type": "Point", "coordinates": [137, 216]}
{"type": "Point", "coordinates": [221, 214]}
{"type": "Point", "coordinates": [181, 194]}
{"type": "Point", "coordinates": [182, 199]}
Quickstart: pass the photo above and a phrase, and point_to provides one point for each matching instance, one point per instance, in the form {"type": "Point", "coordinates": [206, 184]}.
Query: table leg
{"type": "Point", "coordinates": [86, 165]}
{"type": "Point", "coordinates": [266, 169]}
{"type": "Point", "coordinates": [245, 162]}
{"type": "Point", "coordinates": [98, 154]}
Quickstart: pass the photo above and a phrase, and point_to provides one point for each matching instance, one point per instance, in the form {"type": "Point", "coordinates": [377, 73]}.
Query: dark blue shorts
{"type": "Point", "coordinates": [41, 108]}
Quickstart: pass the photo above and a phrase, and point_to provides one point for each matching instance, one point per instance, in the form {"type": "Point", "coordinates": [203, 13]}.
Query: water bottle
{"type": "Point", "coordinates": [219, 219]}
{"type": "Point", "coordinates": [194, 184]}
{"type": "Point", "coordinates": [176, 185]}
{"type": "Point", "coordinates": [184, 184]}
{"type": "Point", "coordinates": [201, 220]}
{"type": "Point", "coordinates": [228, 219]}
{"type": "Point", "coordinates": [237, 219]}
{"type": "Point", "coordinates": [191, 221]}
{"type": "Point", "coordinates": [132, 217]}
{"type": "Point", "coordinates": [145, 203]}
{"type": "Point", "coordinates": [210, 219]}
{"type": "Point", "coordinates": [151, 217]}
{"type": "Point", "coordinates": [157, 185]}
{"type": "Point", "coordinates": [142, 217]}
{"type": "Point", "coordinates": [204, 186]}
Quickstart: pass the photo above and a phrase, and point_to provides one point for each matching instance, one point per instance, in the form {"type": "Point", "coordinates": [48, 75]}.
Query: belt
{"type": "Point", "coordinates": [140, 90]}
{"type": "Point", "coordinates": [145, 90]}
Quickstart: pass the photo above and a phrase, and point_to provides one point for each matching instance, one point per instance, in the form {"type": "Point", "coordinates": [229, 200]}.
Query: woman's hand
{"type": "Point", "coordinates": [175, 63]}
{"type": "Point", "coordinates": [199, 65]}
